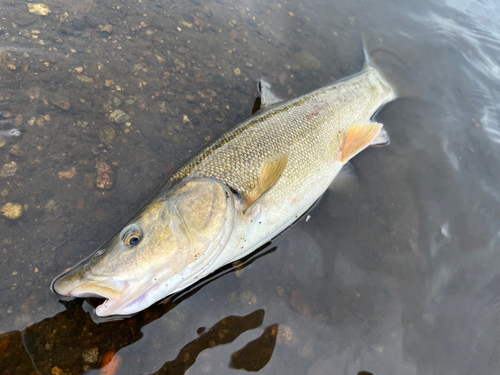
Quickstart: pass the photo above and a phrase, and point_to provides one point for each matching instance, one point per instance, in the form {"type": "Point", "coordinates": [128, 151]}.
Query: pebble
{"type": "Point", "coordinates": [16, 151]}
{"type": "Point", "coordinates": [34, 92]}
{"type": "Point", "coordinates": [107, 29]}
{"type": "Point", "coordinates": [119, 116]}
{"type": "Point", "coordinates": [248, 298]}
{"type": "Point", "coordinates": [50, 205]}
{"type": "Point", "coordinates": [59, 101]}
{"type": "Point", "coordinates": [4, 192]}
{"type": "Point", "coordinates": [237, 71]}
{"type": "Point", "coordinates": [107, 134]}
{"type": "Point", "coordinates": [70, 173]}
{"type": "Point", "coordinates": [78, 69]}
{"type": "Point", "coordinates": [56, 371]}
{"type": "Point", "coordinates": [117, 101]}
{"type": "Point", "coordinates": [3, 141]}
{"type": "Point", "coordinates": [12, 211]}
{"type": "Point", "coordinates": [9, 169]}
{"type": "Point", "coordinates": [18, 120]}
{"type": "Point", "coordinates": [39, 9]}
{"type": "Point", "coordinates": [180, 63]}
{"type": "Point", "coordinates": [105, 178]}
{"type": "Point", "coordinates": [285, 335]}
{"type": "Point", "coordinates": [84, 78]}
{"type": "Point", "coordinates": [91, 355]}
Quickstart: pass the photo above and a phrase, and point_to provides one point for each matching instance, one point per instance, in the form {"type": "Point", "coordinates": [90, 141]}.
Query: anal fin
{"type": "Point", "coordinates": [359, 137]}
{"type": "Point", "coordinates": [270, 173]}
{"type": "Point", "coordinates": [267, 97]}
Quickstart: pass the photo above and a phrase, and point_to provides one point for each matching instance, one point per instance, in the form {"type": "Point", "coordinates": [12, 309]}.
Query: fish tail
{"type": "Point", "coordinates": [369, 65]}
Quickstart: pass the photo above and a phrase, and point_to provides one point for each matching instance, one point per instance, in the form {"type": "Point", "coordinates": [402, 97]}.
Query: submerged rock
{"type": "Point", "coordinates": [105, 176]}
{"type": "Point", "coordinates": [308, 62]}
{"type": "Point", "coordinates": [16, 151]}
{"type": "Point", "coordinates": [107, 135]}
{"type": "Point", "coordinates": [91, 355]}
{"type": "Point", "coordinates": [12, 211]}
{"type": "Point", "coordinates": [39, 9]}
{"type": "Point", "coordinates": [9, 169]}
{"type": "Point", "coordinates": [59, 101]}
{"type": "Point", "coordinates": [119, 116]}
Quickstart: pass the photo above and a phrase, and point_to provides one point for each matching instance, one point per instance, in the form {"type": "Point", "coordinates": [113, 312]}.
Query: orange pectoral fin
{"type": "Point", "coordinates": [359, 137]}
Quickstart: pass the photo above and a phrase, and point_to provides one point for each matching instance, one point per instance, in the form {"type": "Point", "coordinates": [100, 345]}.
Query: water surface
{"type": "Point", "coordinates": [396, 274]}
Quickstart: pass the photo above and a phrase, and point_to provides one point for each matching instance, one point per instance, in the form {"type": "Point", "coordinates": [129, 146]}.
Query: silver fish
{"type": "Point", "coordinates": [234, 195]}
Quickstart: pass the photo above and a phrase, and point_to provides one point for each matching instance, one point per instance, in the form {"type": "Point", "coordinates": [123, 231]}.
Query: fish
{"type": "Point", "coordinates": [10, 133]}
{"type": "Point", "coordinates": [234, 195]}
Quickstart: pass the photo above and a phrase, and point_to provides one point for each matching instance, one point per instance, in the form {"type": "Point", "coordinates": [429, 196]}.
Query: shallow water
{"type": "Point", "coordinates": [396, 274]}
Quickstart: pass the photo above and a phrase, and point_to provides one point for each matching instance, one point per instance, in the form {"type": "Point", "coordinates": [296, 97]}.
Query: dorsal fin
{"type": "Point", "coordinates": [270, 173]}
{"type": "Point", "coordinates": [359, 137]}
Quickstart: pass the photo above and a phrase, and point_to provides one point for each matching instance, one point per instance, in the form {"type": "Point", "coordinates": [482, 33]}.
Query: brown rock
{"type": "Point", "coordinates": [9, 169]}
{"type": "Point", "coordinates": [59, 101]}
{"type": "Point", "coordinates": [105, 178]}
{"type": "Point", "coordinates": [70, 173]}
{"type": "Point", "coordinates": [16, 151]}
{"type": "Point", "coordinates": [285, 335]}
{"type": "Point", "coordinates": [248, 298]}
{"type": "Point", "coordinates": [107, 29]}
{"type": "Point", "coordinates": [39, 9]}
{"type": "Point", "coordinates": [12, 211]}
{"type": "Point", "coordinates": [19, 120]}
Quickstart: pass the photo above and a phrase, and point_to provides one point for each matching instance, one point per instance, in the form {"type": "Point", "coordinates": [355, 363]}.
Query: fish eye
{"type": "Point", "coordinates": [132, 237]}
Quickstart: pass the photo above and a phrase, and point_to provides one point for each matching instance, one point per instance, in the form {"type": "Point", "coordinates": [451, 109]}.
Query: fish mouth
{"type": "Point", "coordinates": [118, 298]}
{"type": "Point", "coordinates": [96, 290]}
{"type": "Point", "coordinates": [114, 300]}
{"type": "Point", "coordinates": [114, 293]}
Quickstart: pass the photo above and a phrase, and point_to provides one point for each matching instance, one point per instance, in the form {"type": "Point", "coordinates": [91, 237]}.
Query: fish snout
{"type": "Point", "coordinates": [69, 285]}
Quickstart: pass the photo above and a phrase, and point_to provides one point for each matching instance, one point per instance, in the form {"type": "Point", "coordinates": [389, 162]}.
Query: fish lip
{"type": "Point", "coordinates": [112, 307]}
{"type": "Point", "coordinates": [96, 290]}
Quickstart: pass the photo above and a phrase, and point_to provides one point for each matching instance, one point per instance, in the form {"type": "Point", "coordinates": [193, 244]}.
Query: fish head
{"type": "Point", "coordinates": [164, 248]}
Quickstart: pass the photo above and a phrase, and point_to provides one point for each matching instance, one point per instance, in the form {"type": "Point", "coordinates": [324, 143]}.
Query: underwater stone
{"type": "Point", "coordinates": [119, 116]}
{"type": "Point", "coordinates": [11, 211]}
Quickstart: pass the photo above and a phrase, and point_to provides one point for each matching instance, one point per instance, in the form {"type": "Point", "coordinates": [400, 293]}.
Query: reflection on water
{"type": "Point", "coordinates": [398, 274]}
